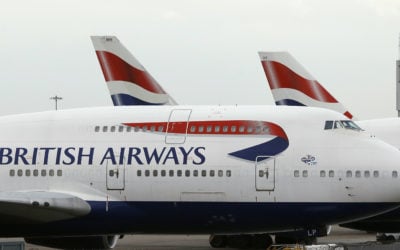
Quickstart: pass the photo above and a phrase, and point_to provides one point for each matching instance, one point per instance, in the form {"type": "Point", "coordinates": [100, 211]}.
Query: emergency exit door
{"type": "Point", "coordinates": [265, 173]}
{"type": "Point", "coordinates": [115, 176]}
{"type": "Point", "coordinates": [177, 126]}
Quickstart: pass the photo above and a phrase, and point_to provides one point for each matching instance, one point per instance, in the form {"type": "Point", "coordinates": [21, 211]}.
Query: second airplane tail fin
{"type": "Point", "coordinates": [128, 81]}
{"type": "Point", "coordinates": [292, 85]}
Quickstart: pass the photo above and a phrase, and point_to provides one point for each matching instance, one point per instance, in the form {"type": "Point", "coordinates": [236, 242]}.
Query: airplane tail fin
{"type": "Point", "coordinates": [292, 85]}
{"type": "Point", "coordinates": [128, 81]}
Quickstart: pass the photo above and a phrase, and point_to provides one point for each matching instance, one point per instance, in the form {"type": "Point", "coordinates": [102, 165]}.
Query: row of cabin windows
{"type": "Point", "coordinates": [193, 129]}
{"type": "Point", "coordinates": [349, 173]}
{"type": "Point", "coordinates": [186, 173]}
{"type": "Point", "coordinates": [35, 172]}
{"type": "Point", "coordinates": [226, 129]}
{"type": "Point", "coordinates": [115, 129]}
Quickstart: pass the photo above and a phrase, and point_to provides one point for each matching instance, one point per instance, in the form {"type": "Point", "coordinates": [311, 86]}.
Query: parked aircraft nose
{"type": "Point", "coordinates": [378, 173]}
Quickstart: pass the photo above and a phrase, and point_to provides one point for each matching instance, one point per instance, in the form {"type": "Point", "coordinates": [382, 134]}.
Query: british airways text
{"type": "Point", "coordinates": [87, 155]}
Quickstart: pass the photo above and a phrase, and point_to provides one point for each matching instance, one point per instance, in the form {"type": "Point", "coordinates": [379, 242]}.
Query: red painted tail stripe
{"type": "Point", "coordinates": [116, 69]}
{"type": "Point", "coordinates": [280, 76]}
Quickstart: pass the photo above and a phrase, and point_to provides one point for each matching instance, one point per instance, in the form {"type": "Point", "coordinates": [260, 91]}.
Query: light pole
{"type": "Point", "coordinates": [56, 99]}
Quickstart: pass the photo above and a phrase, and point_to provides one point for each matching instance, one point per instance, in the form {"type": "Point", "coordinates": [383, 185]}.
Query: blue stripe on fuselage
{"type": "Point", "coordinates": [197, 218]}
{"type": "Point", "coordinates": [269, 148]}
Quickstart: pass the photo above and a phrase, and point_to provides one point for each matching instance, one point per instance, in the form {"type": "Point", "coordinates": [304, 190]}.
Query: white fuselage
{"type": "Point", "coordinates": [156, 162]}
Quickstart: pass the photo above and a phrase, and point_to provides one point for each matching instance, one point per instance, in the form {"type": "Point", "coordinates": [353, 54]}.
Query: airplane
{"type": "Point", "coordinates": [291, 84]}
{"type": "Point", "coordinates": [111, 45]}
{"type": "Point", "coordinates": [86, 176]}
{"type": "Point", "coordinates": [128, 81]}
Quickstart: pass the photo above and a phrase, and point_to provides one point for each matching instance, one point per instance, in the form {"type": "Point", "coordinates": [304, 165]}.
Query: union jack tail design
{"type": "Point", "coordinates": [292, 85]}
{"type": "Point", "coordinates": [128, 81]}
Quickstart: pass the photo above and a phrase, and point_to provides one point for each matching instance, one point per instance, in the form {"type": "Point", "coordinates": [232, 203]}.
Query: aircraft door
{"type": "Point", "coordinates": [177, 126]}
{"type": "Point", "coordinates": [265, 173]}
{"type": "Point", "coordinates": [115, 176]}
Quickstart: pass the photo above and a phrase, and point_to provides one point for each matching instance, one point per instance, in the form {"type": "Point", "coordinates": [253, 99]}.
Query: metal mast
{"type": "Point", "coordinates": [56, 99]}
{"type": "Point", "coordinates": [398, 82]}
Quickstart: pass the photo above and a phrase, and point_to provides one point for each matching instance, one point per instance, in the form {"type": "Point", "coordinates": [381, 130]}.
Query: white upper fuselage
{"type": "Point", "coordinates": [77, 143]}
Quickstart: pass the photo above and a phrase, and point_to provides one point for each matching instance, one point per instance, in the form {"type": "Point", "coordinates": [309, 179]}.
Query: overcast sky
{"type": "Point", "coordinates": [200, 51]}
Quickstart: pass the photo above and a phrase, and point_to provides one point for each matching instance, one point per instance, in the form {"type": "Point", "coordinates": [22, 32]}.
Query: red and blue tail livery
{"type": "Point", "coordinates": [128, 81]}
{"type": "Point", "coordinates": [292, 85]}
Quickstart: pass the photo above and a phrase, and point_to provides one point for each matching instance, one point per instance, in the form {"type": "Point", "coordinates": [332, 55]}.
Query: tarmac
{"type": "Point", "coordinates": [338, 235]}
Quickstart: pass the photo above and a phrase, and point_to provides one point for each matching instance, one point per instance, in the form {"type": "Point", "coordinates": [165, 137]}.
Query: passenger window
{"type": "Point", "coordinates": [111, 173]}
{"type": "Point", "coordinates": [394, 174]}
{"type": "Point", "coordinates": [193, 129]}
{"type": "Point", "coordinates": [12, 172]}
{"type": "Point", "coordinates": [96, 129]}
{"type": "Point", "coordinates": [241, 129]}
{"type": "Point", "coordinates": [376, 174]}
{"type": "Point", "coordinates": [51, 172]}
{"type": "Point", "coordinates": [179, 173]}
{"type": "Point", "coordinates": [160, 128]}
{"type": "Point", "coordinates": [171, 173]}
{"type": "Point", "coordinates": [331, 174]}
{"type": "Point", "coordinates": [258, 129]}
{"type": "Point", "coordinates": [147, 173]}
{"type": "Point", "coordinates": [366, 174]}
{"type": "Point", "coordinates": [163, 173]}
{"type": "Point", "coordinates": [128, 129]}
{"type": "Point", "coordinates": [137, 128]}
{"type": "Point", "coordinates": [105, 128]}
{"type": "Point", "coordinates": [112, 129]}
{"type": "Point", "coordinates": [195, 173]}
{"type": "Point", "coordinates": [322, 173]}
{"type": "Point", "coordinates": [43, 172]}
{"type": "Point", "coordinates": [212, 173]}
{"type": "Point", "coordinates": [121, 128]}
{"type": "Point", "coordinates": [358, 174]}
{"type": "Point", "coordinates": [28, 172]}
{"type": "Point", "coordinates": [155, 173]}
{"type": "Point", "coordinates": [59, 172]}
{"type": "Point", "coordinates": [187, 173]}
{"type": "Point", "coordinates": [144, 128]}
{"type": "Point", "coordinates": [225, 129]}
{"type": "Point", "coordinates": [153, 128]}
{"type": "Point", "coordinates": [209, 129]}
{"type": "Point", "coordinates": [305, 173]}
{"type": "Point", "coordinates": [220, 173]}
{"type": "Point", "coordinates": [296, 173]}
{"type": "Point", "coordinates": [201, 129]}
{"type": "Point", "coordinates": [216, 129]}
{"type": "Point", "coordinates": [265, 130]}
{"type": "Point", "coordinates": [19, 172]}
{"type": "Point", "coordinates": [260, 173]}
{"type": "Point", "coordinates": [349, 174]}
{"type": "Point", "coordinates": [249, 130]}
{"type": "Point", "coordinates": [139, 173]}
{"type": "Point", "coordinates": [233, 129]}
{"type": "Point", "coordinates": [228, 173]}
{"type": "Point", "coordinates": [35, 172]}
{"type": "Point", "coordinates": [203, 173]}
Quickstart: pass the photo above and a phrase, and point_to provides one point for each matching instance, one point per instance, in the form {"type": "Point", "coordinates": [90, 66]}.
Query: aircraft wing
{"type": "Point", "coordinates": [40, 207]}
